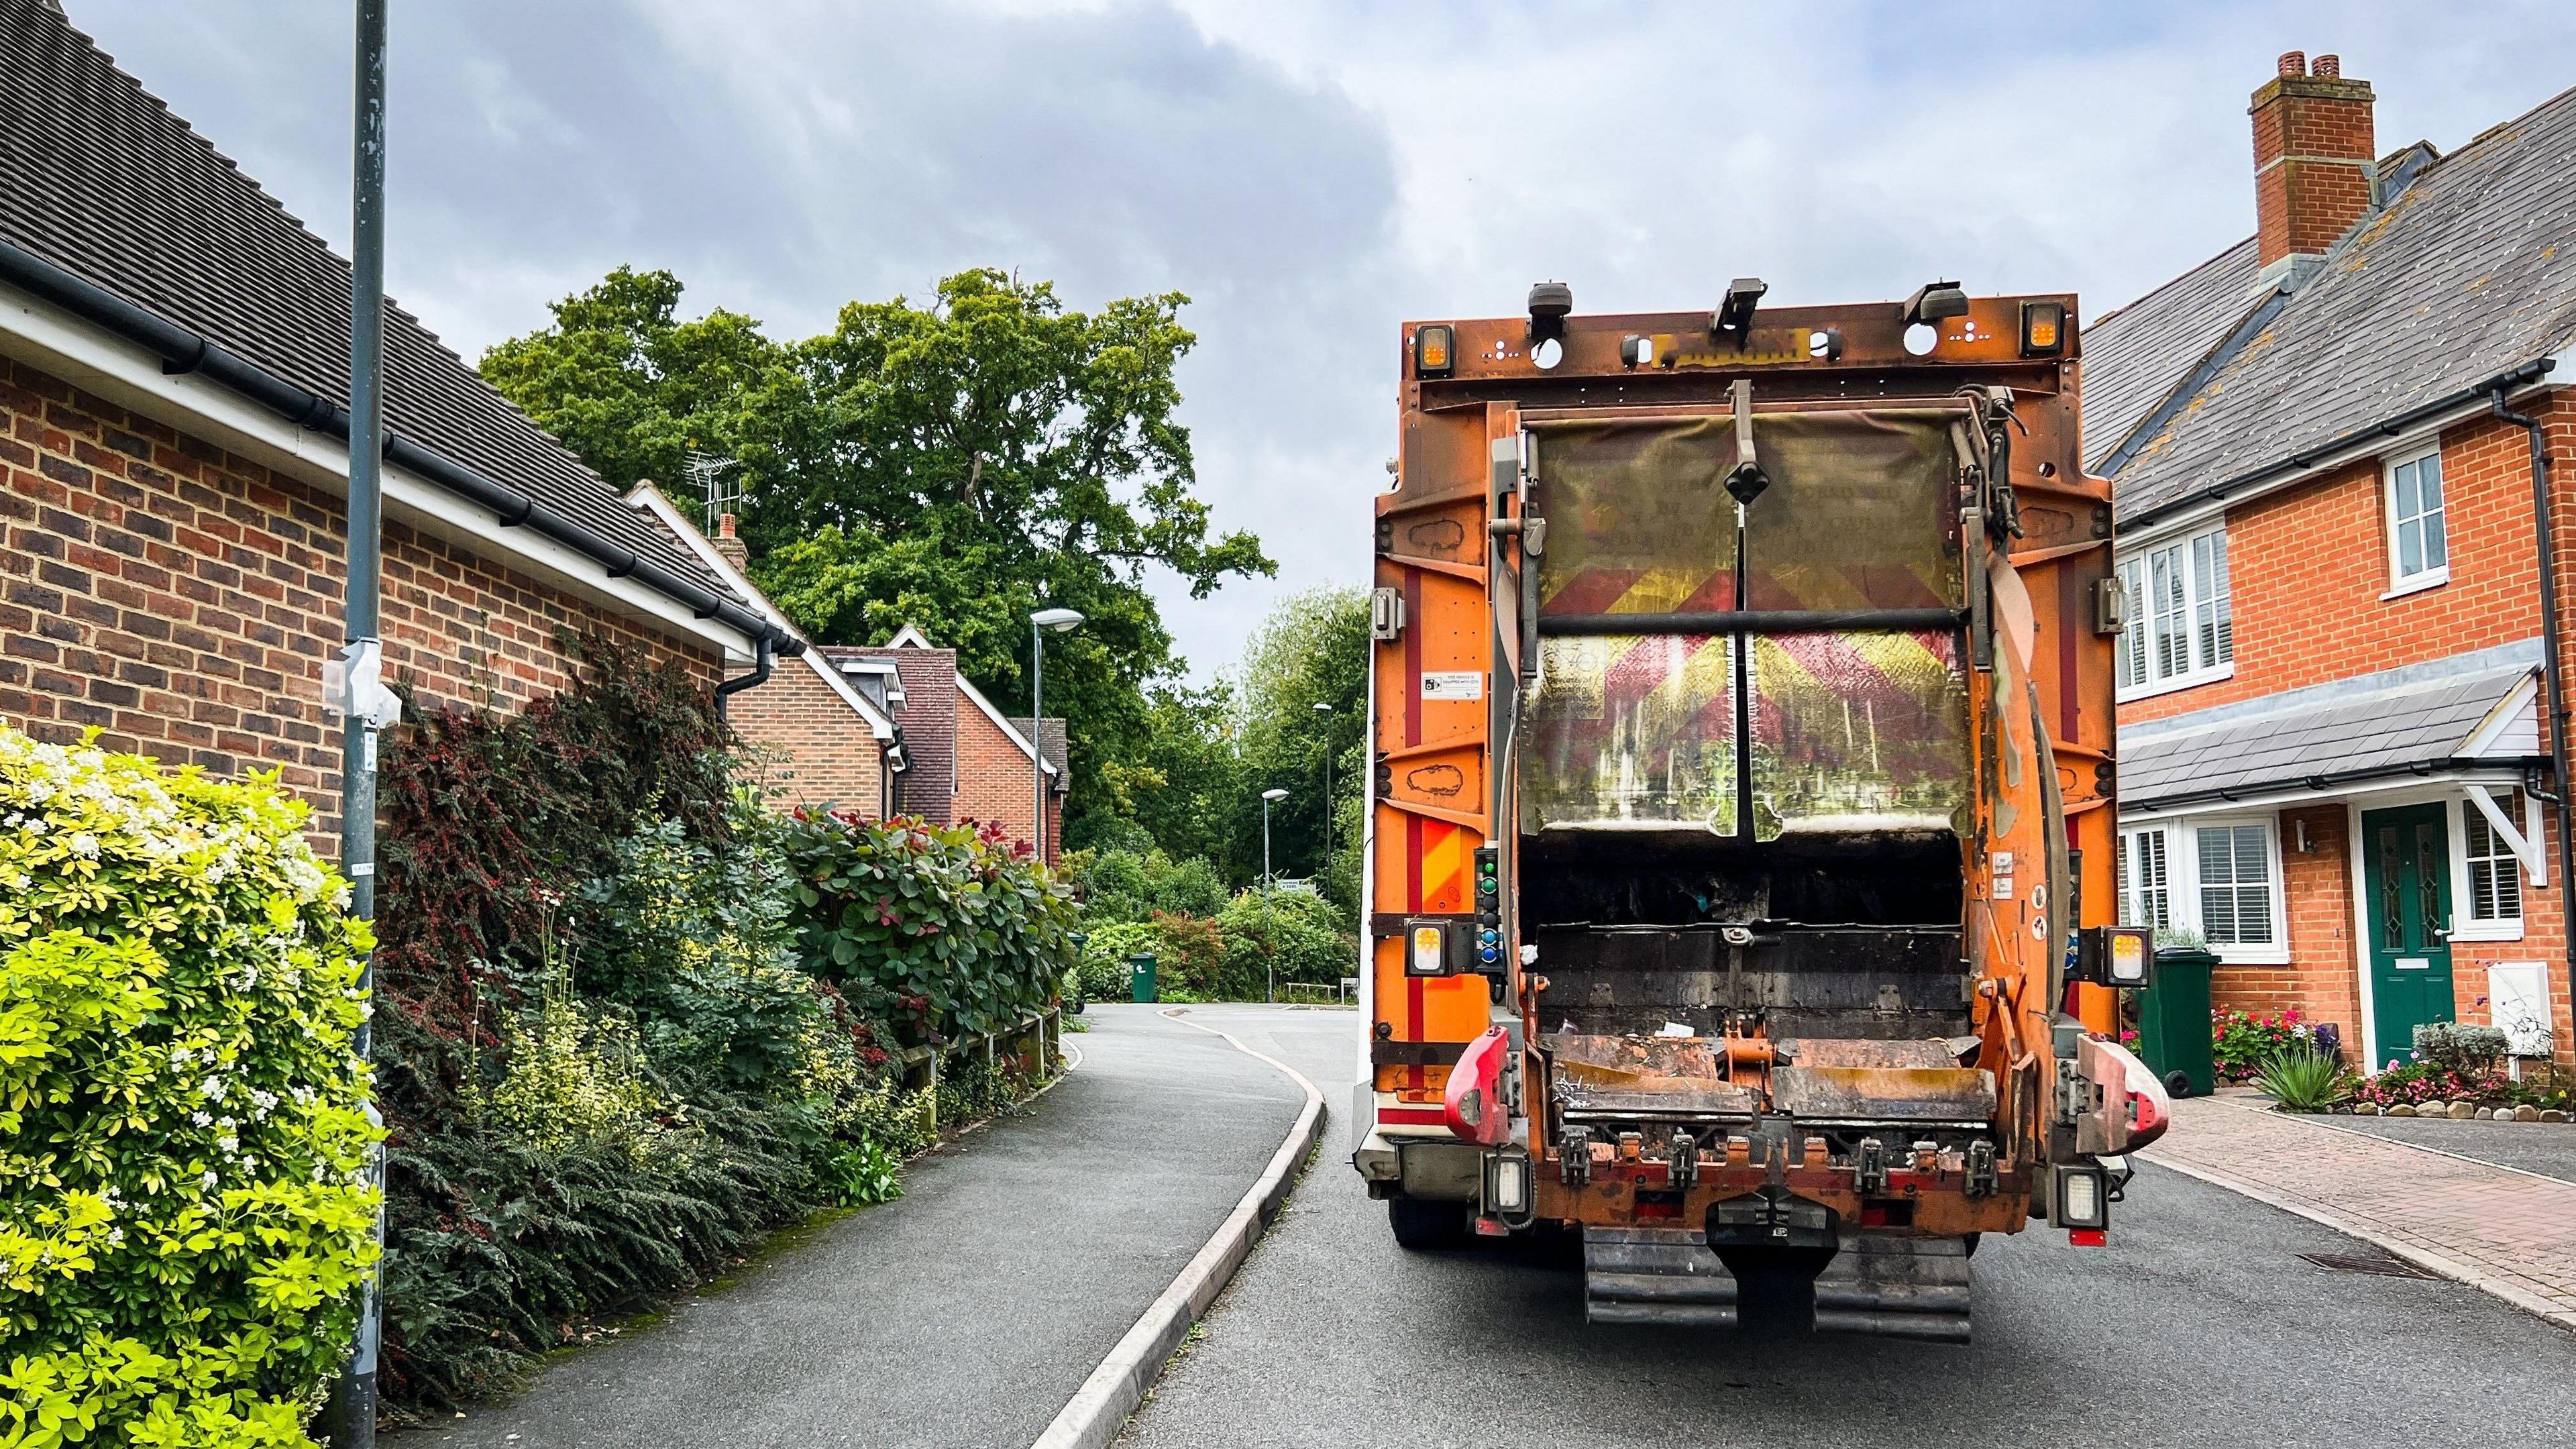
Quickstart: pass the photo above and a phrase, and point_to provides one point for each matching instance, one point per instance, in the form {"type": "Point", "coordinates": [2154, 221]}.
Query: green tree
{"type": "Point", "coordinates": [953, 465]}
{"type": "Point", "coordinates": [1312, 650]}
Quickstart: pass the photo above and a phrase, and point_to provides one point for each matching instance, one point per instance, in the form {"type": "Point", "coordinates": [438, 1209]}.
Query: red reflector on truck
{"type": "Point", "coordinates": [1414, 1116]}
{"type": "Point", "coordinates": [2088, 1237]}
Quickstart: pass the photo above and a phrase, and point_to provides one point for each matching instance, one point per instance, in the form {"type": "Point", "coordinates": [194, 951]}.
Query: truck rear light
{"type": "Point", "coordinates": [2114, 956]}
{"type": "Point", "coordinates": [1430, 953]}
{"type": "Point", "coordinates": [2080, 1197]}
{"type": "Point", "coordinates": [1434, 350]}
{"type": "Point", "coordinates": [2043, 329]}
{"type": "Point", "coordinates": [2087, 1238]}
{"type": "Point", "coordinates": [1507, 1179]}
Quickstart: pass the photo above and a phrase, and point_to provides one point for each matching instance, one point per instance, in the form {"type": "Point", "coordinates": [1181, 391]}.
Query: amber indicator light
{"type": "Point", "coordinates": [1434, 351]}
{"type": "Point", "coordinates": [2043, 329]}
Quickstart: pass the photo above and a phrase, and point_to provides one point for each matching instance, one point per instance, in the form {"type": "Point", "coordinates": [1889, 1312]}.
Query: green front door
{"type": "Point", "coordinates": [2406, 878]}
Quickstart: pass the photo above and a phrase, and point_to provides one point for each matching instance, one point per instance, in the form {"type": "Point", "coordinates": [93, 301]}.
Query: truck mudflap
{"type": "Point", "coordinates": [1896, 1287]}
{"type": "Point", "coordinates": [1876, 1284]}
{"type": "Point", "coordinates": [1665, 1276]}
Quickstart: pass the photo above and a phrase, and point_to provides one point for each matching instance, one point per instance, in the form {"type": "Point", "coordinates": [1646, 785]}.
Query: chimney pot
{"type": "Point", "coordinates": [729, 545]}
{"type": "Point", "coordinates": [724, 525]}
{"type": "Point", "coordinates": [2316, 170]}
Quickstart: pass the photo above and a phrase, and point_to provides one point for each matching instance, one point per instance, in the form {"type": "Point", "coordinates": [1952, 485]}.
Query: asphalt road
{"type": "Point", "coordinates": [2199, 1326]}
{"type": "Point", "coordinates": [964, 1313]}
{"type": "Point", "coordinates": [2547, 1148]}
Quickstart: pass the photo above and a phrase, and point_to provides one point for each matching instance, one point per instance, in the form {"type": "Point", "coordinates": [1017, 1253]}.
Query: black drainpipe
{"type": "Point", "coordinates": [2561, 805]}
{"type": "Point", "coordinates": [758, 676]}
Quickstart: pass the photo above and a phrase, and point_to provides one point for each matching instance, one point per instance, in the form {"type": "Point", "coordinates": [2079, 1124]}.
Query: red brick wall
{"type": "Point", "coordinates": [182, 600]}
{"type": "Point", "coordinates": [994, 779]}
{"type": "Point", "coordinates": [2306, 568]}
{"type": "Point", "coordinates": [809, 746]}
{"type": "Point", "coordinates": [2321, 979]}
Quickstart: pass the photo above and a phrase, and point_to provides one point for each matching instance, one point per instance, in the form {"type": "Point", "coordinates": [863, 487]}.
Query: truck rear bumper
{"type": "Point", "coordinates": [1438, 1168]}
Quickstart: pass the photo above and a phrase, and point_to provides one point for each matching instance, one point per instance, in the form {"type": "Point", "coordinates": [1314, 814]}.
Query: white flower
{"type": "Point", "coordinates": [84, 844]}
{"type": "Point", "coordinates": [212, 1089]}
{"type": "Point", "coordinates": [207, 1181]}
{"type": "Point", "coordinates": [202, 1119]}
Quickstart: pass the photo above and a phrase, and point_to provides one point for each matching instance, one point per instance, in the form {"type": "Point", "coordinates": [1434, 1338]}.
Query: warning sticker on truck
{"type": "Point", "coordinates": [1453, 684]}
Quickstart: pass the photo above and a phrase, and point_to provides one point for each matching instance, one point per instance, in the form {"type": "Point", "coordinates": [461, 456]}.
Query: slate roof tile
{"type": "Point", "coordinates": [2468, 272]}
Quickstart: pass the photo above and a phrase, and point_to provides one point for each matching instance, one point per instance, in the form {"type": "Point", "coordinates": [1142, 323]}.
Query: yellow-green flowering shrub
{"type": "Point", "coordinates": [184, 1208]}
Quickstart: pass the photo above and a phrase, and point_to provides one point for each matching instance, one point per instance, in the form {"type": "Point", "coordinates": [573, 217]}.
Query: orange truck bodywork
{"type": "Point", "coordinates": [1497, 578]}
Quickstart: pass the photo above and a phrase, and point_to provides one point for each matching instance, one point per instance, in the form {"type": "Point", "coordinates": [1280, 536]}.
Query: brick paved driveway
{"type": "Point", "coordinates": [2510, 1233]}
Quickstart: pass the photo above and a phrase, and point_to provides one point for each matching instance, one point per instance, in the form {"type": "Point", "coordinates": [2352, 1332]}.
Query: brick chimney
{"type": "Point", "coordinates": [2314, 161]}
{"type": "Point", "coordinates": [729, 544]}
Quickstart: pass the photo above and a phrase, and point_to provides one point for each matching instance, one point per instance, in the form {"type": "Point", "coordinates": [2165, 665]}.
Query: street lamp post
{"type": "Point", "coordinates": [1040, 622]}
{"type": "Point", "coordinates": [1326, 711]}
{"type": "Point", "coordinates": [1269, 939]}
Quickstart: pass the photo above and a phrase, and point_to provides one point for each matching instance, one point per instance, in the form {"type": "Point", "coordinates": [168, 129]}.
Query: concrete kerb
{"type": "Point", "coordinates": [2439, 1264]}
{"type": "Point", "coordinates": [1094, 1415]}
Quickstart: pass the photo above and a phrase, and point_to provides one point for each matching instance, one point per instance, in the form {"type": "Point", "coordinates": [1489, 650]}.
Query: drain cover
{"type": "Point", "coordinates": [2383, 1267]}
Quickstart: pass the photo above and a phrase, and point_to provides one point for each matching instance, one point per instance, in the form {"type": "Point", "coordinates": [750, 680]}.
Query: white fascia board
{"type": "Point", "coordinates": [909, 637]}
{"type": "Point", "coordinates": [54, 341]}
{"type": "Point", "coordinates": [2514, 715]}
{"type": "Point", "coordinates": [647, 498]}
{"type": "Point", "coordinates": [2437, 785]}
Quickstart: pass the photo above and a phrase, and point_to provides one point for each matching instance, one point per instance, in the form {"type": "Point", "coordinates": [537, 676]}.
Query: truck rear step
{"type": "Point", "coordinates": [1655, 1275]}
{"type": "Point", "coordinates": [1902, 1287]}
{"type": "Point", "coordinates": [1898, 1287]}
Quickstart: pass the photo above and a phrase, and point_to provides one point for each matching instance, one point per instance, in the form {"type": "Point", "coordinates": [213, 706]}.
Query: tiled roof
{"type": "Point", "coordinates": [100, 179]}
{"type": "Point", "coordinates": [1050, 743]}
{"type": "Point", "coordinates": [2134, 357]}
{"type": "Point", "coordinates": [2353, 729]}
{"type": "Point", "coordinates": [2469, 272]}
{"type": "Point", "coordinates": [928, 717]}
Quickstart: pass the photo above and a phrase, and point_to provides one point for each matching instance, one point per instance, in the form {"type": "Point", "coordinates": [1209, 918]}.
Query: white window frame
{"type": "Point", "coordinates": [2182, 882]}
{"type": "Point", "coordinates": [2125, 872]}
{"type": "Point", "coordinates": [2401, 583]}
{"type": "Point", "coordinates": [2197, 555]}
{"type": "Point", "coordinates": [2534, 870]}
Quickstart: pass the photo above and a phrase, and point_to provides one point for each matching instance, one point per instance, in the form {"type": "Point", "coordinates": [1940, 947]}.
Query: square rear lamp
{"type": "Point", "coordinates": [1435, 350]}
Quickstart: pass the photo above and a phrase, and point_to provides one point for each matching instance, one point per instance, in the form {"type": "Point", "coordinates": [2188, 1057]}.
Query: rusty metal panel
{"type": "Point", "coordinates": [1953, 1094]}
{"type": "Point", "coordinates": [1859, 731]}
{"type": "Point", "coordinates": [1642, 1077]}
{"type": "Point", "coordinates": [1631, 732]}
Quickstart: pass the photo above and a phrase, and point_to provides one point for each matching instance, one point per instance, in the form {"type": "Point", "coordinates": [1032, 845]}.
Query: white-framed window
{"type": "Point", "coordinates": [2488, 881]}
{"type": "Point", "coordinates": [2182, 622]}
{"type": "Point", "coordinates": [2145, 878]}
{"type": "Point", "coordinates": [2219, 878]}
{"type": "Point", "coordinates": [2238, 887]}
{"type": "Point", "coordinates": [2495, 874]}
{"type": "Point", "coordinates": [2419, 545]}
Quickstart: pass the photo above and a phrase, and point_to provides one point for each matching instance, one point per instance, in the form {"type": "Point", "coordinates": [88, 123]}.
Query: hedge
{"type": "Point", "coordinates": [184, 1206]}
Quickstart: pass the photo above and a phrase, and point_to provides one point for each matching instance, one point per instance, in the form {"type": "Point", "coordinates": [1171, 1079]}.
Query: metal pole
{"type": "Point", "coordinates": [351, 1415]}
{"type": "Point", "coordinates": [1269, 938]}
{"type": "Point", "coordinates": [1037, 729]}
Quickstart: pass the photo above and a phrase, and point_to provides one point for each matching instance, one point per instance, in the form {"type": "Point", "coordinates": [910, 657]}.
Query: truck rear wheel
{"type": "Point", "coordinates": [1427, 1226]}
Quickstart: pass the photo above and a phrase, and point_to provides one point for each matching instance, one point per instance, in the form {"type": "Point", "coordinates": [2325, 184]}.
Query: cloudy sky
{"type": "Point", "coordinates": [1310, 173]}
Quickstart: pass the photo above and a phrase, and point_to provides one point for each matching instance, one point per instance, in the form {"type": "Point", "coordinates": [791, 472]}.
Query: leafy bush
{"type": "Point", "coordinates": [184, 1210]}
{"type": "Point", "coordinates": [2416, 1083]}
{"type": "Point", "coordinates": [2242, 1041]}
{"type": "Point", "coordinates": [1126, 885]}
{"type": "Point", "coordinates": [1105, 949]}
{"type": "Point", "coordinates": [864, 1174]}
{"type": "Point", "coordinates": [2469, 1050]}
{"type": "Point", "coordinates": [947, 930]}
{"type": "Point", "coordinates": [1190, 951]}
{"type": "Point", "coordinates": [2303, 1079]}
{"type": "Point", "coordinates": [1303, 936]}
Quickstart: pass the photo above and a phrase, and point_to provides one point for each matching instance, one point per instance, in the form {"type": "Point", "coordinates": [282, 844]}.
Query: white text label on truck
{"type": "Point", "coordinates": [1453, 684]}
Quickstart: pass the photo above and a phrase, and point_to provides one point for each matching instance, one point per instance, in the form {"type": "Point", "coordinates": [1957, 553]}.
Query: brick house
{"type": "Point", "coordinates": [813, 737]}
{"type": "Point", "coordinates": [968, 761]}
{"type": "Point", "coordinates": [173, 463]}
{"type": "Point", "coordinates": [2337, 678]}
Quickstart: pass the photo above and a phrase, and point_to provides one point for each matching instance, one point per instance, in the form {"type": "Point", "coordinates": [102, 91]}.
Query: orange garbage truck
{"type": "Point", "coordinates": [1741, 830]}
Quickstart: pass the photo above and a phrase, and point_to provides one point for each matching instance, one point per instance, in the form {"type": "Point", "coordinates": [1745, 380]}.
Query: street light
{"type": "Point", "coordinates": [1268, 798]}
{"type": "Point", "coordinates": [1326, 711]}
{"type": "Point", "coordinates": [1040, 622]}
